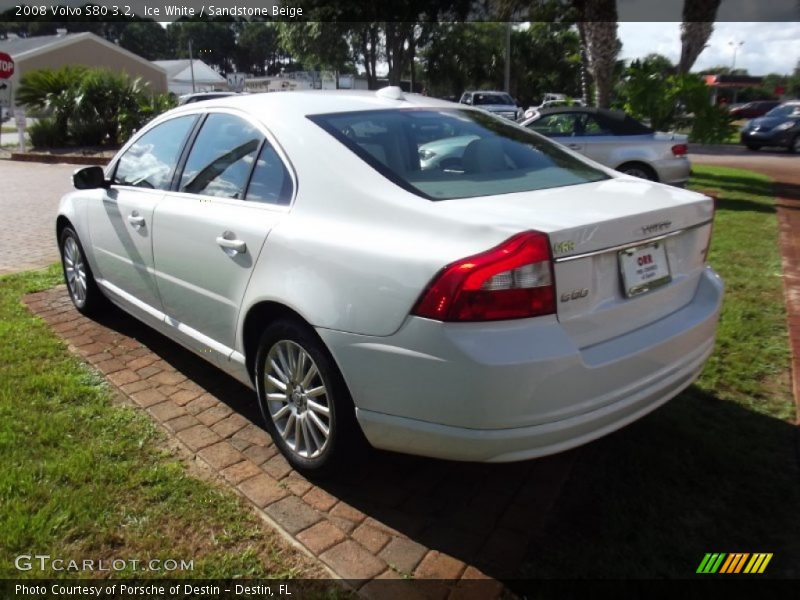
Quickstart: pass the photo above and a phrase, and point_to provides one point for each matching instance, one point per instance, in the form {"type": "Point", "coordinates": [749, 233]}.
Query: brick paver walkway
{"type": "Point", "coordinates": [784, 169]}
{"type": "Point", "coordinates": [788, 203]}
{"type": "Point", "coordinates": [391, 516]}
{"type": "Point", "coordinates": [29, 196]}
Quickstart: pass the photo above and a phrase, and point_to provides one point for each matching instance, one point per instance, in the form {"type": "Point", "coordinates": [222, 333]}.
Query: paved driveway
{"type": "Point", "coordinates": [29, 195]}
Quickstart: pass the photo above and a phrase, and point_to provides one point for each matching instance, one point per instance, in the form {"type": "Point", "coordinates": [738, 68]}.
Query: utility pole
{"type": "Point", "coordinates": [191, 65]}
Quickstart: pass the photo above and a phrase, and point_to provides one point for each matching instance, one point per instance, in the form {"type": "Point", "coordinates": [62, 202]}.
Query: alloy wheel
{"type": "Point", "coordinates": [75, 270]}
{"type": "Point", "coordinates": [297, 399]}
{"type": "Point", "coordinates": [637, 172]}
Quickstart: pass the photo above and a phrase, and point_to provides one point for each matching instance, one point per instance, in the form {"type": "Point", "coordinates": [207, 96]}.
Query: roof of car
{"type": "Point", "coordinates": [605, 112]}
{"type": "Point", "coordinates": [310, 102]}
{"type": "Point", "coordinates": [622, 123]}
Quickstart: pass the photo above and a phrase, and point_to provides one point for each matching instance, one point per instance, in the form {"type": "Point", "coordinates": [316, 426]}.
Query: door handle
{"type": "Point", "coordinates": [574, 146]}
{"type": "Point", "coordinates": [136, 220]}
{"type": "Point", "coordinates": [237, 246]}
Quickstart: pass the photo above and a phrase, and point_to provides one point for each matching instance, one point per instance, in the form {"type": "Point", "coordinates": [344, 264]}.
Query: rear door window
{"type": "Point", "coordinates": [222, 157]}
{"type": "Point", "coordinates": [270, 182]}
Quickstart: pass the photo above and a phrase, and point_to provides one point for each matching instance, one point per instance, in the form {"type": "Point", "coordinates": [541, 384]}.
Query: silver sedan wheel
{"type": "Point", "coordinates": [796, 144]}
{"type": "Point", "coordinates": [75, 269]}
{"type": "Point", "coordinates": [297, 399]}
{"type": "Point", "coordinates": [637, 172]}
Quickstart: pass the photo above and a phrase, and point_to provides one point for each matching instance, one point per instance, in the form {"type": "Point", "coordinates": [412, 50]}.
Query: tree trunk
{"type": "Point", "coordinates": [368, 45]}
{"type": "Point", "coordinates": [584, 66]}
{"type": "Point", "coordinates": [696, 29]}
{"type": "Point", "coordinates": [602, 49]}
{"type": "Point", "coordinates": [598, 21]}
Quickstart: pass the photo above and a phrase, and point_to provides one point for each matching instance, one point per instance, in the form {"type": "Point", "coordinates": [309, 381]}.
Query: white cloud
{"type": "Point", "coordinates": [767, 48]}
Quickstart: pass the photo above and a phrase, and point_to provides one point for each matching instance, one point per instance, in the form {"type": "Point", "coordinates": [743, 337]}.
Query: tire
{"type": "Point", "coordinates": [794, 146]}
{"type": "Point", "coordinates": [82, 288]}
{"type": "Point", "coordinates": [639, 170]}
{"type": "Point", "coordinates": [753, 147]}
{"type": "Point", "coordinates": [309, 413]}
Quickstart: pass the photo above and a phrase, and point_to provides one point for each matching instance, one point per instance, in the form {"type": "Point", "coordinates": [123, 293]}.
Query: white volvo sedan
{"type": "Point", "coordinates": [514, 302]}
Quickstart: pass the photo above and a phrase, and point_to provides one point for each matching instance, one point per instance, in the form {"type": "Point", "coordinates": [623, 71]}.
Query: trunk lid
{"type": "Point", "coordinates": [589, 226]}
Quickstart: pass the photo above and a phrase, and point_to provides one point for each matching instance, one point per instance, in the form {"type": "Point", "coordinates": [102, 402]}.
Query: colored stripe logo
{"type": "Point", "coordinates": [735, 562]}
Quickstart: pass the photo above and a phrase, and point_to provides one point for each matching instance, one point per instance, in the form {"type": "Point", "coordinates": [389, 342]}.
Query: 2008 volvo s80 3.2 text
{"type": "Point", "coordinates": [514, 301]}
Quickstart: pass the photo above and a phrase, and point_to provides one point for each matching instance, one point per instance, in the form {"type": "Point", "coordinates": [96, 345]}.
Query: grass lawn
{"type": "Point", "coordinates": [716, 469]}
{"type": "Point", "coordinates": [83, 478]}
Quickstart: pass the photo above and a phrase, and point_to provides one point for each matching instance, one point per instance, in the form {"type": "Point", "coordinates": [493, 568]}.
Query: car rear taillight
{"type": "Point", "coordinates": [511, 281]}
{"type": "Point", "coordinates": [680, 149]}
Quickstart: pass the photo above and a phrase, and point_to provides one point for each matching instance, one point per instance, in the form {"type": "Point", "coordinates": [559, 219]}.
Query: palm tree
{"type": "Point", "coordinates": [598, 28]}
{"type": "Point", "coordinates": [696, 29]}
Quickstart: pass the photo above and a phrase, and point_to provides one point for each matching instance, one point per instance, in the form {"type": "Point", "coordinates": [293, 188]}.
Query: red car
{"type": "Point", "coordinates": [753, 110]}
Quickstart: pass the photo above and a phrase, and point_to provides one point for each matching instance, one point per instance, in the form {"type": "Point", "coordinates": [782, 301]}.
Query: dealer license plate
{"type": "Point", "coordinates": [643, 268]}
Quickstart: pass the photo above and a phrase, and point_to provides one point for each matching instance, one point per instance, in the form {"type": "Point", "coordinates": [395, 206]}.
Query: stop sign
{"type": "Point", "coordinates": [6, 66]}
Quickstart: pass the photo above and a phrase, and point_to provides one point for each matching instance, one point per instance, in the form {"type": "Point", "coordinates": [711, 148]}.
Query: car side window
{"type": "Point", "coordinates": [592, 126]}
{"type": "Point", "coordinates": [221, 157]}
{"type": "Point", "coordinates": [270, 182]}
{"type": "Point", "coordinates": [556, 125]}
{"type": "Point", "coordinates": [151, 160]}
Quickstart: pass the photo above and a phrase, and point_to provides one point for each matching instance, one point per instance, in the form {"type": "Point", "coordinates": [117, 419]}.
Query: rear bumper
{"type": "Point", "coordinates": [673, 171]}
{"type": "Point", "coordinates": [513, 391]}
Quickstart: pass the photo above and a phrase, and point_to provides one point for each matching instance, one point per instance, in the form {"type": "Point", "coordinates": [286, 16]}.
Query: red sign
{"type": "Point", "coordinates": [6, 66]}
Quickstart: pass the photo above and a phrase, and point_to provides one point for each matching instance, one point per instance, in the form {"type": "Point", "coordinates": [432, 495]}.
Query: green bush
{"type": "Point", "coordinates": [47, 133]}
{"type": "Point", "coordinates": [86, 131]}
{"type": "Point", "coordinates": [670, 101]}
{"type": "Point", "coordinates": [88, 107]}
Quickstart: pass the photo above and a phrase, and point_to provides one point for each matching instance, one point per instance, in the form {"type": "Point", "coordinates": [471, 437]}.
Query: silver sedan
{"type": "Point", "coordinates": [616, 140]}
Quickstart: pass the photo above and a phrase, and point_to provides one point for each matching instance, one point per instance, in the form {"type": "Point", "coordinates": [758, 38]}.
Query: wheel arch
{"type": "Point", "coordinates": [258, 317]}
{"type": "Point", "coordinates": [62, 221]}
{"type": "Point", "coordinates": [640, 164]}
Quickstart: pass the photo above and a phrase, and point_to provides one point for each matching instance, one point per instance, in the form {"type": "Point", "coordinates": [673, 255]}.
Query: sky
{"type": "Point", "coordinates": [767, 48]}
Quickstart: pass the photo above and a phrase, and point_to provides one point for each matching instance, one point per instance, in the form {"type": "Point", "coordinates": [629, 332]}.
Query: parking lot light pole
{"type": "Point", "coordinates": [736, 46]}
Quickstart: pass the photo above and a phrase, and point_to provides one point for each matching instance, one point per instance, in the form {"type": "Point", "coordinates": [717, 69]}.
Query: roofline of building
{"type": "Point", "coordinates": [70, 39]}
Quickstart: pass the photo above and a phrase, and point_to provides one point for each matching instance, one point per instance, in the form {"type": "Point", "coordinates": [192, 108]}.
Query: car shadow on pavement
{"type": "Point", "coordinates": [482, 514]}
{"type": "Point", "coordinates": [698, 475]}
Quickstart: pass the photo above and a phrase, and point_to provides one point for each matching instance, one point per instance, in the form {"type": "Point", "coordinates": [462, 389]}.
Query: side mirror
{"type": "Point", "coordinates": [89, 178]}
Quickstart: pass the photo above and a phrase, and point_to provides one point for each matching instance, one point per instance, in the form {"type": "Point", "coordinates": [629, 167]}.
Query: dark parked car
{"type": "Point", "coordinates": [779, 127]}
{"type": "Point", "coordinates": [751, 110]}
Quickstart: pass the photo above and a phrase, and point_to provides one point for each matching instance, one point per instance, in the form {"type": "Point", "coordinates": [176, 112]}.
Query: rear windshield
{"type": "Point", "coordinates": [481, 99]}
{"type": "Point", "coordinates": [452, 153]}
